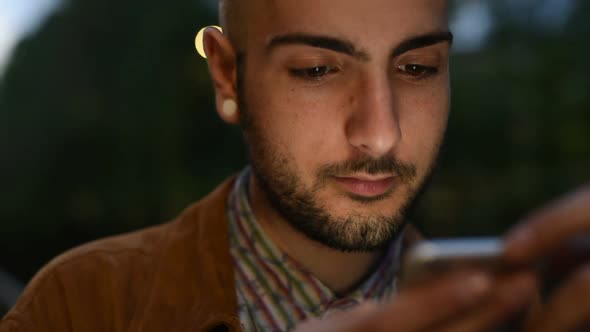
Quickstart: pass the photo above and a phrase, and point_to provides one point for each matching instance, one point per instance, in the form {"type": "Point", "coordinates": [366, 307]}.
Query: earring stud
{"type": "Point", "coordinates": [230, 107]}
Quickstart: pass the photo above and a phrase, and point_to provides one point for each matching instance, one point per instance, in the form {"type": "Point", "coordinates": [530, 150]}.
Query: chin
{"type": "Point", "coordinates": [343, 210]}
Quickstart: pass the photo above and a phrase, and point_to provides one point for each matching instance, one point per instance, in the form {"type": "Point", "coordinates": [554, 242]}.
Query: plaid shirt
{"type": "Point", "coordinates": [274, 292]}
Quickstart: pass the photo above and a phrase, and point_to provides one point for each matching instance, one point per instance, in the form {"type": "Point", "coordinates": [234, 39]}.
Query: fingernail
{"type": "Point", "coordinates": [474, 287]}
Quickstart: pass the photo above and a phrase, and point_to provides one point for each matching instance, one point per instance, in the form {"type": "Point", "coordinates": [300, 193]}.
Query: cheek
{"type": "Point", "coordinates": [304, 122]}
{"type": "Point", "coordinates": [423, 120]}
{"type": "Point", "coordinates": [286, 129]}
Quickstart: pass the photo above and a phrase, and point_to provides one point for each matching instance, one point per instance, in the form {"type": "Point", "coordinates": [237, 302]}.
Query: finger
{"type": "Point", "coordinates": [347, 321]}
{"type": "Point", "coordinates": [512, 294]}
{"type": "Point", "coordinates": [568, 308]}
{"type": "Point", "coordinates": [550, 226]}
{"type": "Point", "coordinates": [414, 309]}
{"type": "Point", "coordinates": [419, 308]}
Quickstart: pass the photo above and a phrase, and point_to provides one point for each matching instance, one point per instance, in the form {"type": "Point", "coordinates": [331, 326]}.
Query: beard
{"type": "Point", "coordinates": [300, 206]}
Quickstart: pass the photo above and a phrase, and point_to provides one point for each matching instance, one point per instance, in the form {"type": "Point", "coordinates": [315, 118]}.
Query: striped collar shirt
{"type": "Point", "coordinates": [274, 292]}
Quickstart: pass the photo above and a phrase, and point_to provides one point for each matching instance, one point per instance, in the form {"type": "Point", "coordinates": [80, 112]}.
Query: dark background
{"type": "Point", "coordinates": [107, 125]}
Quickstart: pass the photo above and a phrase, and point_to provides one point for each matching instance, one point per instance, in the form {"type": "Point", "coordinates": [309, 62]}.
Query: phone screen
{"type": "Point", "coordinates": [430, 258]}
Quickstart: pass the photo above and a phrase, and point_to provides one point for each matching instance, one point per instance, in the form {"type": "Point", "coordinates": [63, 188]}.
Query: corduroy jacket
{"type": "Point", "coordinates": [174, 277]}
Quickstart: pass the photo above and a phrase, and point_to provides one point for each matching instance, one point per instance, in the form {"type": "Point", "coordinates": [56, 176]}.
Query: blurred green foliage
{"type": "Point", "coordinates": [519, 133]}
{"type": "Point", "coordinates": [108, 125]}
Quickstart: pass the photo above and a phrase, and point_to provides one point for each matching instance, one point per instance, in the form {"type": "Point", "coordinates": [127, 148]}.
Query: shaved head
{"type": "Point", "coordinates": [230, 18]}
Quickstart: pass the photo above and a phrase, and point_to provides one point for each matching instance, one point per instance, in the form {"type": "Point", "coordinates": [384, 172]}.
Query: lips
{"type": "Point", "coordinates": [366, 186]}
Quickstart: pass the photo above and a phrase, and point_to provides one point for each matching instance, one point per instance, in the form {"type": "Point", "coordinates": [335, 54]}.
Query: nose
{"type": "Point", "coordinates": [373, 126]}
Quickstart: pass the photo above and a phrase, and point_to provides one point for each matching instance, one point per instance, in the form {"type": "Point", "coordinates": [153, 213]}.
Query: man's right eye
{"type": "Point", "coordinates": [313, 73]}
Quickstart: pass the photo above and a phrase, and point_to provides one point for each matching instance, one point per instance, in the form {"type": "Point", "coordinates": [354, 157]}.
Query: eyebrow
{"type": "Point", "coordinates": [422, 41]}
{"type": "Point", "coordinates": [348, 48]}
{"type": "Point", "coordinates": [329, 43]}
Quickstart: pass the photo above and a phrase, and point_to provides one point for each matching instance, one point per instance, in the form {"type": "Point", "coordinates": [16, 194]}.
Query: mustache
{"type": "Point", "coordinates": [371, 166]}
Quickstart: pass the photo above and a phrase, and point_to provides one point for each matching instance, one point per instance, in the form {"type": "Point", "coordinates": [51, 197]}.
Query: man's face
{"type": "Point", "coordinates": [344, 107]}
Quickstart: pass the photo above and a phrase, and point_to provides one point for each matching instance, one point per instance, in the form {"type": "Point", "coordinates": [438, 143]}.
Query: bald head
{"type": "Point", "coordinates": [231, 13]}
{"type": "Point", "coordinates": [238, 16]}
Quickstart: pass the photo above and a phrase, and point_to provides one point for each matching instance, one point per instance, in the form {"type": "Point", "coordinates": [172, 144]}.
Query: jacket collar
{"type": "Point", "coordinates": [193, 286]}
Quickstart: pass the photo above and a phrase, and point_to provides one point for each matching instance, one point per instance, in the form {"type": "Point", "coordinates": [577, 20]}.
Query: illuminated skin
{"type": "Point", "coordinates": [311, 106]}
{"type": "Point", "coordinates": [356, 106]}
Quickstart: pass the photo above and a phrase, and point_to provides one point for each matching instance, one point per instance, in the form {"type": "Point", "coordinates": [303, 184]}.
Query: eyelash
{"type": "Point", "coordinates": [417, 72]}
{"type": "Point", "coordinates": [314, 74]}
{"type": "Point", "coordinates": [318, 73]}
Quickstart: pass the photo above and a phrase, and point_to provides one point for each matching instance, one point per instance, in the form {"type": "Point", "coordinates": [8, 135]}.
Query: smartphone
{"type": "Point", "coordinates": [428, 259]}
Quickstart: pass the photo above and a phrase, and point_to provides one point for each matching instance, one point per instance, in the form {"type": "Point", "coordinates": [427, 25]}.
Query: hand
{"type": "Point", "coordinates": [461, 301]}
{"type": "Point", "coordinates": [537, 236]}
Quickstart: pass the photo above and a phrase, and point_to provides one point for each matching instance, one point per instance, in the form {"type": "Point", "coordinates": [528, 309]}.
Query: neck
{"type": "Point", "coordinates": [338, 270]}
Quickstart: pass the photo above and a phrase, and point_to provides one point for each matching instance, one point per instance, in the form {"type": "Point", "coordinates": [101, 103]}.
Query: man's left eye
{"type": "Point", "coordinates": [417, 71]}
{"type": "Point", "coordinates": [313, 73]}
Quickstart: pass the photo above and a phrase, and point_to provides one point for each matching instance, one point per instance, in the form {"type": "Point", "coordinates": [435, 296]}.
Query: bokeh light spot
{"type": "Point", "coordinates": [199, 40]}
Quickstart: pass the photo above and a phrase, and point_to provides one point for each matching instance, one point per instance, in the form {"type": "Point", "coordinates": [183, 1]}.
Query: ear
{"type": "Point", "coordinates": [221, 56]}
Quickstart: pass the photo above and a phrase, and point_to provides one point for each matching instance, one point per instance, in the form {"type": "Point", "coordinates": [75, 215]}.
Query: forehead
{"type": "Point", "coordinates": [366, 22]}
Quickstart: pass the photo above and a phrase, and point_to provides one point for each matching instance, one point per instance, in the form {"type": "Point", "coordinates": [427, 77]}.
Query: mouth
{"type": "Point", "coordinates": [367, 186]}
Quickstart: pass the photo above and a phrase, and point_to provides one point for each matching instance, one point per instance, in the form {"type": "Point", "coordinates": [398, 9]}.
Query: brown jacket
{"type": "Point", "coordinates": [173, 277]}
